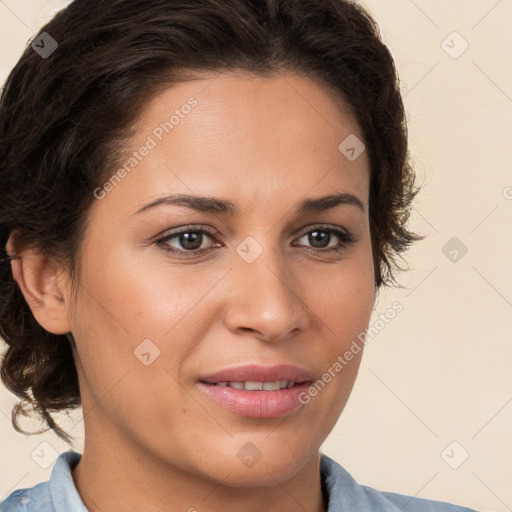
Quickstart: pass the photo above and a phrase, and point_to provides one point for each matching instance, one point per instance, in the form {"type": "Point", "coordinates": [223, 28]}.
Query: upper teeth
{"type": "Point", "coordinates": [251, 385]}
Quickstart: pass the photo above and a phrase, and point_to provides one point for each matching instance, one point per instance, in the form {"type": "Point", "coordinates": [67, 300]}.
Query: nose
{"type": "Point", "coordinates": [265, 299]}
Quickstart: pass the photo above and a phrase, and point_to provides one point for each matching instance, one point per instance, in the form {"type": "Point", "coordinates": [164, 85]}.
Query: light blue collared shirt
{"type": "Point", "coordinates": [59, 494]}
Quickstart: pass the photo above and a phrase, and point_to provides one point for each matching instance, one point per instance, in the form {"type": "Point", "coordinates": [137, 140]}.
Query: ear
{"type": "Point", "coordinates": [44, 285]}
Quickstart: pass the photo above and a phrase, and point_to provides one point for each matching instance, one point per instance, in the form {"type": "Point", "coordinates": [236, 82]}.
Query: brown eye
{"type": "Point", "coordinates": [320, 238]}
{"type": "Point", "coordinates": [191, 241]}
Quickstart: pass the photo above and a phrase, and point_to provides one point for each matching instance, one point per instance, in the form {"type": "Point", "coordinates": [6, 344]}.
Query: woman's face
{"type": "Point", "coordinates": [172, 293]}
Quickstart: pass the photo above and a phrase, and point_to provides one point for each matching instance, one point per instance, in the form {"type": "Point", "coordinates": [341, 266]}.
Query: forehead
{"type": "Point", "coordinates": [267, 138]}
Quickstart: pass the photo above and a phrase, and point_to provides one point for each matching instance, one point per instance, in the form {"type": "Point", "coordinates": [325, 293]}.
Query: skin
{"type": "Point", "coordinates": [153, 440]}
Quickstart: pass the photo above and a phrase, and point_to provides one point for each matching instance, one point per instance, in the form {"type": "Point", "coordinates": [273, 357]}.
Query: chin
{"type": "Point", "coordinates": [253, 468]}
{"type": "Point", "coordinates": [261, 475]}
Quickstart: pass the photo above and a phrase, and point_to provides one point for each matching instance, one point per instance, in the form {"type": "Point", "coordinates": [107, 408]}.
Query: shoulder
{"type": "Point", "coordinates": [413, 504]}
{"type": "Point", "coordinates": [346, 494]}
{"type": "Point", "coordinates": [56, 495]}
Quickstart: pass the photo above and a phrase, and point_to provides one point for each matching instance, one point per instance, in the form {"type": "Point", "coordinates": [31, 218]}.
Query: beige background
{"type": "Point", "coordinates": [441, 370]}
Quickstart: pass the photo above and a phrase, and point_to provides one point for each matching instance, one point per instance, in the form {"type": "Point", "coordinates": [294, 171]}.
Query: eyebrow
{"type": "Point", "coordinates": [224, 206]}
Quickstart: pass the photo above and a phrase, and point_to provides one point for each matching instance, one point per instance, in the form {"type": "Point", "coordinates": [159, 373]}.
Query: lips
{"type": "Point", "coordinates": [257, 391]}
{"type": "Point", "coordinates": [256, 373]}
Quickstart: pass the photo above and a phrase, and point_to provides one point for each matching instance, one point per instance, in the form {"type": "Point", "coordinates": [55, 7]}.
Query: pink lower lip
{"type": "Point", "coordinates": [256, 404]}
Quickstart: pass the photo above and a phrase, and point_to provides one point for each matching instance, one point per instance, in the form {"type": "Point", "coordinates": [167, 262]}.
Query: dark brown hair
{"type": "Point", "coordinates": [64, 120]}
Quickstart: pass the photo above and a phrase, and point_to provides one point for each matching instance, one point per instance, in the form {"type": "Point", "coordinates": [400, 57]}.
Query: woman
{"type": "Point", "coordinates": [201, 200]}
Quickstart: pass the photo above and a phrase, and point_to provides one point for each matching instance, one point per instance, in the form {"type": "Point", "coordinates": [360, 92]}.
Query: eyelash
{"type": "Point", "coordinates": [345, 237]}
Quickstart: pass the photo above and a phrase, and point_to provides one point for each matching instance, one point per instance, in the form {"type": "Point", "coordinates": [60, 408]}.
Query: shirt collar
{"type": "Point", "coordinates": [346, 494]}
{"type": "Point", "coordinates": [63, 492]}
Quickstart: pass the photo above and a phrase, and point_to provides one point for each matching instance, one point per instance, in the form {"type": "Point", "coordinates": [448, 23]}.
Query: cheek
{"type": "Point", "coordinates": [346, 300]}
{"type": "Point", "coordinates": [127, 370]}
{"type": "Point", "coordinates": [343, 316]}
{"type": "Point", "coordinates": [341, 302]}
{"type": "Point", "coordinates": [343, 295]}
{"type": "Point", "coordinates": [143, 300]}
{"type": "Point", "coordinates": [123, 302]}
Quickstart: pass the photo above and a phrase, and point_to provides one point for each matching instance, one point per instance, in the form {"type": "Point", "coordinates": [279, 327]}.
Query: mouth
{"type": "Point", "coordinates": [257, 391]}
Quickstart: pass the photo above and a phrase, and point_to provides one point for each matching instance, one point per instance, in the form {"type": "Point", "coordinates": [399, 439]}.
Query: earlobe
{"type": "Point", "coordinates": [44, 287]}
